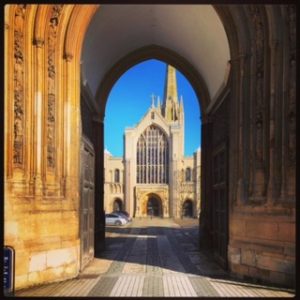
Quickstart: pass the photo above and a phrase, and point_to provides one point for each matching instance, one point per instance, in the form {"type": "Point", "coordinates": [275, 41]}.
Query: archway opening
{"type": "Point", "coordinates": [101, 68]}
{"type": "Point", "coordinates": [185, 185]}
{"type": "Point", "coordinates": [187, 209]}
{"type": "Point", "coordinates": [118, 205]}
{"type": "Point", "coordinates": [154, 207]}
{"type": "Point", "coordinates": [145, 164]}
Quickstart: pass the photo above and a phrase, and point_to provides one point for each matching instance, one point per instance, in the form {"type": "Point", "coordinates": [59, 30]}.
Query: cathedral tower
{"type": "Point", "coordinates": [170, 107]}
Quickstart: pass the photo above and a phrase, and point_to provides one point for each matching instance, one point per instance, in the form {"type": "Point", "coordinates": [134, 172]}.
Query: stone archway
{"type": "Point", "coordinates": [154, 206]}
{"type": "Point", "coordinates": [118, 205]}
{"type": "Point", "coordinates": [42, 133]}
{"type": "Point", "coordinates": [229, 127]}
{"type": "Point", "coordinates": [187, 208]}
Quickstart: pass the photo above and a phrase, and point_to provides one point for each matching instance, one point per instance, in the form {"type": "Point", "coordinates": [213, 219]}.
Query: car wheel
{"type": "Point", "coordinates": [118, 223]}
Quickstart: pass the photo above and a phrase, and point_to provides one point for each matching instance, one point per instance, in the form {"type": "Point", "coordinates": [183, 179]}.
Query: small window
{"type": "Point", "coordinates": [117, 175]}
{"type": "Point", "coordinates": [152, 115]}
{"type": "Point", "coordinates": [188, 174]}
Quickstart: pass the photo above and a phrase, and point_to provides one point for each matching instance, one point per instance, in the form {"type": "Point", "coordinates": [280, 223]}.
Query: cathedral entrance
{"type": "Point", "coordinates": [118, 205]}
{"type": "Point", "coordinates": [187, 209]}
{"type": "Point", "coordinates": [154, 207]}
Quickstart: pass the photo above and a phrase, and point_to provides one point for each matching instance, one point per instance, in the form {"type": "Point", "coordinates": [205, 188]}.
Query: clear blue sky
{"type": "Point", "coordinates": [130, 99]}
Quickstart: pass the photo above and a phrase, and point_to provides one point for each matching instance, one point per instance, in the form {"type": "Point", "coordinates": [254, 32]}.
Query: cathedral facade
{"type": "Point", "coordinates": [154, 177]}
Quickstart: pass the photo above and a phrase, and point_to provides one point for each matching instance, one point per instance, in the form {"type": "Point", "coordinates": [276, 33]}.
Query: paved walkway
{"type": "Point", "coordinates": [154, 258]}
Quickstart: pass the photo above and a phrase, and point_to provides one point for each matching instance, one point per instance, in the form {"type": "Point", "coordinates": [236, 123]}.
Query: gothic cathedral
{"type": "Point", "coordinates": [154, 177]}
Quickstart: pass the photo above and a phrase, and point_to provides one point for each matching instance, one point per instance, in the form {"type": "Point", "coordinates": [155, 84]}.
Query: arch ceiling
{"type": "Point", "coordinates": [193, 31]}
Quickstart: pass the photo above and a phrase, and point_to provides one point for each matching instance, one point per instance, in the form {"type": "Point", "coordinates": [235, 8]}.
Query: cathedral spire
{"type": "Point", "coordinates": [171, 105]}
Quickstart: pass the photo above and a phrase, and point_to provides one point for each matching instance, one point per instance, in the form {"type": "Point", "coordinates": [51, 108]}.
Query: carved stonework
{"type": "Point", "coordinates": [18, 144]}
{"type": "Point", "coordinates": [258, 160]}
{"type": "Point", "coordinates": [292, 26]}
{"type": "Point", "coordinates": [38, 42]}
{"type": "Point", "coordinates": [259, 65]}
{"type": "Point", "coordinates": [68, 57]}
{"type": "Point", "coordinates": [52, 40]}
{"type": "Point", "coordinates": [142, 196]}
{"type": "Point", "coordinates": [291, 110]}
{"type": "Point", "coordinates": [19, 17]}
{"type": "Point", "coordinates": [259, 140]}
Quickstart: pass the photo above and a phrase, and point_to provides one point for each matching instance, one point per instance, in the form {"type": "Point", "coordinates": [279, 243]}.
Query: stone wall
{"type": "Point", "coordinates": [42, 134]}
{"type": "Point", "coordinates": [45, 240]}
{"type": "Point", "coordinates": [113, 190]}
{"type": "Point", "coordinates": [263, 247]}
{"type": "Point", "coordinates": [262, 202]}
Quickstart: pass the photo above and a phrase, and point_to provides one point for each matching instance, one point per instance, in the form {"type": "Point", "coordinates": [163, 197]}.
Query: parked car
{"type": "Point", "coordinates": [124, 214]}
{"type": "Point", "coordinates": [115, 219]}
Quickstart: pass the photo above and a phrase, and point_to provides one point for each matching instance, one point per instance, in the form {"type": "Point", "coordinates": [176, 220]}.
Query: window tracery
{"type": "Point", "coordinates": [152, 156]}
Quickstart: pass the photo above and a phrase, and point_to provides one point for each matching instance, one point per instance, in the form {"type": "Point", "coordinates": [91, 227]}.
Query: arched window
{"type": "Point", "coordinates": [152, 156]}
{"type": "Point", "coordinates": [117, 175]}
{"type": "Point", "coordinates": [188, 174]}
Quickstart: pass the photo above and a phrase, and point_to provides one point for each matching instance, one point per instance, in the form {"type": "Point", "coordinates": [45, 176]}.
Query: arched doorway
{"type": "Point", "coordinates": [118, 205]}
{"type": "Point", "coordinates": [102, 80]}
{"type": "Point", "coordinates": [187, 208]}
{"type": "Point", "coordinates": [128, 61]}
{"type": "Point", "coordinates": [154, 206]}
{"type": "Point", "coordinates": [204, 87]}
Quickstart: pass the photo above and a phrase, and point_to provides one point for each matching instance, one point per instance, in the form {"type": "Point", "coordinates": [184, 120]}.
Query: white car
{"type": "Point", "coordinates": [123, 214]}
{"type": "Point", "coordinates": [114, 219]}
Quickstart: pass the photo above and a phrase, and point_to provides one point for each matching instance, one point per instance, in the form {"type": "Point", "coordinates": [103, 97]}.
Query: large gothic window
{"type": "Point", "coordinates": [152, 156]}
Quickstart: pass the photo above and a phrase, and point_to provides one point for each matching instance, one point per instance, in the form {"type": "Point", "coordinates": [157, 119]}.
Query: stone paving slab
{"type": "Point", "coordinates": [153, 258]}
{"type": "Point", "coordinates": [229, 288]}
{"type": "Point", "coordinates": [138, 267]}
{"type": "Point", "coordinates": [178, 286]}
{"type": "Point", "coordinates": [103, 287]}
{"type": "Point", "coordinates": [128, 286]}
{"type": "Point", "coordinates": [153, 286]}
{"type": "Point", "coordinates": [203, 287]}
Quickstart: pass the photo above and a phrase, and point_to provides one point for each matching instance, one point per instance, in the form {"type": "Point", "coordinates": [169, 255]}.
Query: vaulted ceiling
{"type": "Point", "coordinates": [195, 32]}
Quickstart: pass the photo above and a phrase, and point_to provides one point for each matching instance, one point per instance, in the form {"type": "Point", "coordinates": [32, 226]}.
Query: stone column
{"type": "Point", "coordinates": [129, 180]}
{"type": "Point", "coordinates": [38, 117]}
{"type": "Point", "coordinates": [273, 132]}
{"type": "Point", "coordinates": [239, 63]}
{"type": "Point", "coordinates": [72, 133]}
{"type": "Point", "coordinates": [290, 108]}
{"type": "Point", "coordinates": [259, 107]}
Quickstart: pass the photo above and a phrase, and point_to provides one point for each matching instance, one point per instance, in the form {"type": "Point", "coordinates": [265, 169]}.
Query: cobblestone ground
{"type": "Point", "coordinates": [154, 258]}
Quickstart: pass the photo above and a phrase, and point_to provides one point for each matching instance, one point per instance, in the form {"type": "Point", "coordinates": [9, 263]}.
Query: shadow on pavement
{"type": "Point", "coordinates": [172, 248]}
